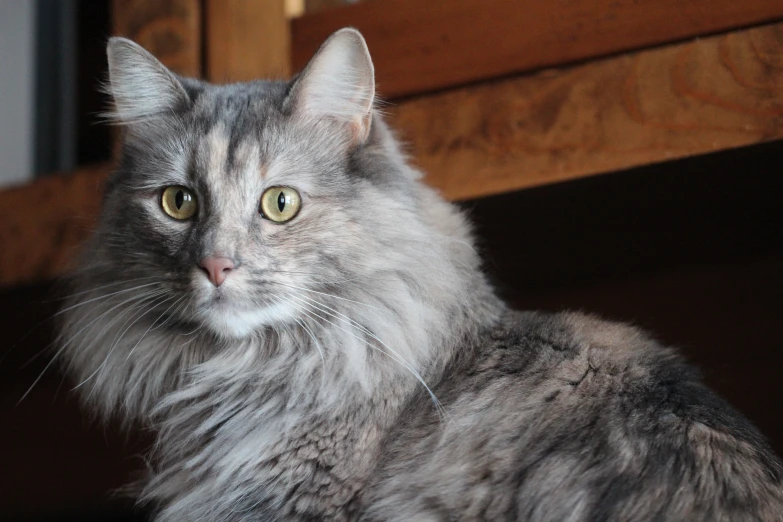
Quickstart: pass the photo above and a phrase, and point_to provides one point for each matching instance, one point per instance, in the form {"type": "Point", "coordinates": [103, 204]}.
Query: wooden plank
{"type": "Point", "coordinates": [42, 224]}
{"type": "Point", "coordinates": [170, 29]}
{"type": "Point", "coordinates": [294, 8]}
{"type": "Point", "coordinates": [246, 40]}
{"type": "Point", "coordinates": [686, 99]}
{"type": "Point", "coordinates": [421, 46]}
{"type": "Point", "coordinates": [312, 6]}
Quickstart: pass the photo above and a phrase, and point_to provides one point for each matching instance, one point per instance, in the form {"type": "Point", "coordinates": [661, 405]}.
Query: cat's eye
{"type": "Point", "coordinates": [280, 204]}
{"type": "Point", "coordinates": [178, 202]}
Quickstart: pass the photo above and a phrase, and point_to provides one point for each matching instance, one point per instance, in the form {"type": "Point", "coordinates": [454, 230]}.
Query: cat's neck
{"type": "Point", "coordinates": [310, 402]}
{"type": "Point", "coordinates": [341, 352]}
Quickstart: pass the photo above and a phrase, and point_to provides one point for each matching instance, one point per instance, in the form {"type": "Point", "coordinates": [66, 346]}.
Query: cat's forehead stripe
{"type": "Point", "coordinates": [247, 163]}
{"type": "Point", "coordinates": [216, 144]}
{"type": "Point", "coordinates": [273, 170]}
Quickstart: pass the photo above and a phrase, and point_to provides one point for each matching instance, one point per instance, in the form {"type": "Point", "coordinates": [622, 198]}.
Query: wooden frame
{"type": "Point", "coordinates": [421, 46]}
{"type": "Point", "coordinates": [716, 93]}
{"type": "Point", "coordinates": [246, 40]}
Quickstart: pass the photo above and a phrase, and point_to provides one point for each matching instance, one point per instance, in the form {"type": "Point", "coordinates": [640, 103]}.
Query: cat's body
{"type": "Point", "coordinates": [347, 359]}
{"type": "Point", "coordinates": [567, 417]}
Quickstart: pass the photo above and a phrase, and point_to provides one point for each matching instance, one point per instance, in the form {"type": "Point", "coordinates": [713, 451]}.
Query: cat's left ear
{"type": "Point", "coordinates": [339, 84]}
{"type": "Point", "coordinates": [141, 86]}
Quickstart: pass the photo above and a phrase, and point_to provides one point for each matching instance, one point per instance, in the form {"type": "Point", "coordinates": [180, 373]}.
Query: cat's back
{"type": "Point", "coordinates": [567, 417]}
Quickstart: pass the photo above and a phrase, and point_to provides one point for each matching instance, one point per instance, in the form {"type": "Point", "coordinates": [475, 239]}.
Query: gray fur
{"type": "Point", "coordinates": [295, 390]}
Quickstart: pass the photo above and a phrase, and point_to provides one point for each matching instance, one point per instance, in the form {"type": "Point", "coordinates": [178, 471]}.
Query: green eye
{"type": "Point", "coordinates": [178, 202]}
{"type": "Point", "coordinates": [280, 204]}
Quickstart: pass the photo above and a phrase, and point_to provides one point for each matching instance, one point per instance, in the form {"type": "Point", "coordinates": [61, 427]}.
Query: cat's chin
{"type": "Point", "coordinates": [236, 322]}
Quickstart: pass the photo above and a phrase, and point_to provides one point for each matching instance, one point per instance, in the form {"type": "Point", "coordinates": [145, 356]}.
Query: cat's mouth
{"type": "Point", "coordinates": [230, 318]}
{"type": "Point", "coordinates": [219, 298]}
{"type": "Point", "coordinates": [221, 301]}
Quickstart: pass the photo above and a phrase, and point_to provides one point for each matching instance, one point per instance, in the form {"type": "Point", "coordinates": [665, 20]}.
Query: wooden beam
{"type": "Point", "coordinates": [312, 6]}
{"type": "Point", "coordinates": [682, 100]}
{"type": "Point", "coordinates": [294, 8]}
{"type": "Point", "coordinates": [43, 223]}
{"type": "Point", "coordinates": [246, 40]}
{"type": "Point", "coordinates": [171, 30]}
{"type": "Point", "coordinates": [420, 46]}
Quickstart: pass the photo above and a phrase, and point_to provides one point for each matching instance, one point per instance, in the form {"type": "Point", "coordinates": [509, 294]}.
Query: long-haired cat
{"type": "Point", "coordinates": [305, 327]}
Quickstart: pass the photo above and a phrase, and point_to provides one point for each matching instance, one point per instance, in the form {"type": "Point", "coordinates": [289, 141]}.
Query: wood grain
{"type": "Point", "coordinates": [170, 29]}
{"type": "Point", "coordinates": [246, 40]}
{"type": "Point", "coordinates": [421, 46]}
{"type": "Point", "coordinates": [682, 100]}
{"type": "Point", "coordinates": [42, 224]}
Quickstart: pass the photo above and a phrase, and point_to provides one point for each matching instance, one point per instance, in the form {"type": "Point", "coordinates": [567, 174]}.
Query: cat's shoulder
{"type": "Point", "coordinates": [537, 341]}
{"type": "Point", "coordinates": [577, 361]}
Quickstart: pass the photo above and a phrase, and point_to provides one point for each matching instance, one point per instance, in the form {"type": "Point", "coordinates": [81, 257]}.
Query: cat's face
{"type": "Point", "coordinates": [269, 230]}
{"type": "Point", "coordinates": [232, 199]}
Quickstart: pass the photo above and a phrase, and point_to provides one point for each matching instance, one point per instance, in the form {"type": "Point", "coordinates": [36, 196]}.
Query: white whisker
{"type": "Point", "coordinates": [329, 295]}
{"type": "Point", "coordinates": [391, 353]}
{"type": "Point", "coordinates": [103, 286]}
{"type": "Point", "coordinates": [73, 337]}
{"type": "Point", "coordinates": [310, 333]}
{"type": "Point", "coordinates": [149, 306]}
{"type": "Point", "coordinates": [151, 327]}
{"type": "Point", "coordinates": [126, 290]}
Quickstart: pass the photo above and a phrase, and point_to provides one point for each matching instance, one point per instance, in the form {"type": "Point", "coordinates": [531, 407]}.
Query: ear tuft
{"type": "Point", "coordinates": [339, 83]}
{"type": "Point", "coordinates": [141, 86]}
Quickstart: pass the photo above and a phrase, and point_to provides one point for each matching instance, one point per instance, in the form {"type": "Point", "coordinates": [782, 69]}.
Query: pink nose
{"type": "Point", "coordinates": [216, 268]}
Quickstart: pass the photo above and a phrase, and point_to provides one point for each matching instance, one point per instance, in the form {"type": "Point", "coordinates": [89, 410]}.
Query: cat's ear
{"type": "Point", "coordinates": [141, 86]}
{"type": "Point", "coordinates": [339, 83]}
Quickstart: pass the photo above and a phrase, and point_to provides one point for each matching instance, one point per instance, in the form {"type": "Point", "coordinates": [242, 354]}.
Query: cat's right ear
{"type": "Point", "coordinates": [338, 84]}
{"type": "Point", "coordinates": [141, 86]}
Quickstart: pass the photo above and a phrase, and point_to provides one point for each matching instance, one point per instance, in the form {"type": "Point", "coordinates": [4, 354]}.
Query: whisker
{"type": "Point", "coordinates": [151, 327]}
{"type": "Point", "coordinates": [191, 340]}
{"type": "Point", "coordinates": [329, 295]}
{"type": "Point", "coordinates": [126, 290]}
{"type": "Point", "coordinates": [310, 333]}
{"type": "Point", "coordinates": [139, 303]}
{"type": "Point", "coordinates": [130, 310]}
{"type": "Point", "coordinates": [53, 316]}
{"type": "Point", "coordinates": [312, 336]}
{"type": "Point", "coordinates": [199, 327]}
{"type": "Point", "coordinates": [79, 322]}
{"type": "Point", "coordinates": [335, 281]}
{"type": "Point", "coordinates": [100, 288]}
{"type": "Point", "coordinates": [65, 345]}
{"type": "Point", "coordinates": [391, 354]}
{"type": "Point", "coordinates": [344, 318]}
{"type": "Point", "coordinates": [155, 302]}
{"type": "Point", "coordinates": [172, 317]}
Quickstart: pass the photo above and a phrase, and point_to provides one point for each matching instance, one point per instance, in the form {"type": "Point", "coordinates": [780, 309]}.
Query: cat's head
{"type": "Point", "coordinates": [236, 209]}
{"type": "Point", "coordinates": [228, 193]}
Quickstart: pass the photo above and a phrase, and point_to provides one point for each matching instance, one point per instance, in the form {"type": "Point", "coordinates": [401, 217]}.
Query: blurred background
{"type": "Point", "coordinates": [618, 157]}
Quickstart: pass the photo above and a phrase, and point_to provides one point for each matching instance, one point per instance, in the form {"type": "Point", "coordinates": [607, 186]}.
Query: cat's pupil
{"type": "Point", "coordinates": [179, 199]}
{"type": "Point", "coordinates": [281, 201]}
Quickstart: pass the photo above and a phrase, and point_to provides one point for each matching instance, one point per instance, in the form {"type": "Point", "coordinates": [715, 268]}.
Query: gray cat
{"type": "Point", "coordinates": [305, 327]}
